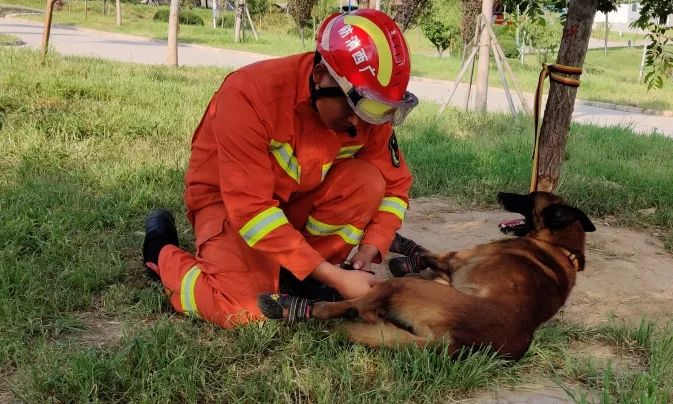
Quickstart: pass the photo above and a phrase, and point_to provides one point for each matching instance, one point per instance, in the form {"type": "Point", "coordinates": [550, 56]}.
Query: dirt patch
{"type": "Point", "coordinates": [541, 392]}
{"type": "Point", "coordinates": [98, 332]}
{"type": "Point", "coordinates": [603, 355]}
{"type": "Point", "coordinates": [628, 274]}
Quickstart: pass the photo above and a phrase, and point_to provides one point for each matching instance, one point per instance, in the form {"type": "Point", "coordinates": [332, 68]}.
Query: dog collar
{"type": "Point", "coordinates": [571, 257]}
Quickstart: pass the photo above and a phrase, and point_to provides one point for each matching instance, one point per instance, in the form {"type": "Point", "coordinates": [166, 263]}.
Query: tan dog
{"type": "Point", "coordinates": [499, 293]}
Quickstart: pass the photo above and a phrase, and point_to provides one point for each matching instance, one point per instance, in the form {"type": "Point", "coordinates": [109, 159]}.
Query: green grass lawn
{"type": "Point", "coordinates": [89, 146]}
{"type": "Point", "coordinates": [9, 40]}
{"type": "Point", "coordinates": [616, 36]}
{"type": "Point", "coordinates": [611, 78]}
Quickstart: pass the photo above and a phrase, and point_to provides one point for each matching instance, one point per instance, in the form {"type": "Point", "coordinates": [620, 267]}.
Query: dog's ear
{"type": "Point", "coordinates": [584, 220]}
{"type": "Point", "coordinates": [558, 216]}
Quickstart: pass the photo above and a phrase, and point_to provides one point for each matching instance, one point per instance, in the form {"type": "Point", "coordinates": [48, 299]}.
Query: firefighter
{"type": "Point", "coordinates": [294, 164]}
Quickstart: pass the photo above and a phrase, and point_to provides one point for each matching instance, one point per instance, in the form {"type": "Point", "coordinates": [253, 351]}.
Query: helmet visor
{"type": "Point", "coordinates": [378, 112]}
{"type": "Point", "coordinates": [372, 109]}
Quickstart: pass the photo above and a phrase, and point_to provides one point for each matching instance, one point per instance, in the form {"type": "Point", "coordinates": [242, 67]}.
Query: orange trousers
{"type": "Point", "coordinates": [221, 282]}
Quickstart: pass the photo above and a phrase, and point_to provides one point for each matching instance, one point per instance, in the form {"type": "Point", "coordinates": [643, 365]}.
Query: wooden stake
{"type": "Point", "coordinates": [508, 68]}
{"type": "Point", "coordinates": [459, 78]}
{"type": "Point", "coordinates": [498, 62]}
{"type": "Point", "coordinates": [252, 26]}
{"type": "Point", "coordinates": [47, 28]}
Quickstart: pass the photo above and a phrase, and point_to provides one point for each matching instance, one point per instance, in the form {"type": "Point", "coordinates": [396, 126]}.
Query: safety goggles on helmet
{"type": "Point", "coordinates": [371, 109]}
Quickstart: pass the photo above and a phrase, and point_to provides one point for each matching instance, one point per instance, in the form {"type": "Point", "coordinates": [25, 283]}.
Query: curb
{"type": "Point", "coordinates": [626, 108]}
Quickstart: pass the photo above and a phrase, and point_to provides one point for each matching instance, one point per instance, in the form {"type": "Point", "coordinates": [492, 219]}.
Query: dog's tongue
{"type": "Point", "coordinates": [512, 223]}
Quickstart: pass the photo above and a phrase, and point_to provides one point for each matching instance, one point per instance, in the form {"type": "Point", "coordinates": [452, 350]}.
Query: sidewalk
{"type": "Point", "coordinates": [126, 48]}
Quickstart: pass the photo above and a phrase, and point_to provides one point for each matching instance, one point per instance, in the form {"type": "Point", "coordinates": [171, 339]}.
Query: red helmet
{"type": "Point", "coordinates": [366, 53]}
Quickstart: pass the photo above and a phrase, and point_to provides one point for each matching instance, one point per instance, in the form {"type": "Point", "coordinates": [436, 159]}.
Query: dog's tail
{"type": "Point", "coordinates": [381, 334]}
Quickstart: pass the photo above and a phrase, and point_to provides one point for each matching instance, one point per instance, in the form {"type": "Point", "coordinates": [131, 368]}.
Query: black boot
{"type": "Point", "coordinates": [160, 231]}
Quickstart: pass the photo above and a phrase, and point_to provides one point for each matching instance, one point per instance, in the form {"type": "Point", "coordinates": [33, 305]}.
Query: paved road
{"type": "Point", "coordinates": [84, 42]}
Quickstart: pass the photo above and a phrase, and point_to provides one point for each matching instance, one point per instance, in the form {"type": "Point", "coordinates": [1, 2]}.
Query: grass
{"type": "Point", "coordinates": [617, 36]}
{"type": "Point", "coordinates": [9, 40]}
{"type": "Point", "coordinates": [612, 78]}
{"type": "Point", "coordinates": [90, 146]}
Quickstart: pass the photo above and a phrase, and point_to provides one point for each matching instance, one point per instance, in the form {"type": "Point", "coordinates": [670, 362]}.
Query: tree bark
{"type": "Point", "coordinates": [239, 17]}
{"type": "Point", "coordinates": [118, 6]}
{"type": "Point", "coordinates": [605, 46]}
{"type": "Point", "coordinates": [173, 19]}
{"type": "Point", "coordinates": [561, 100]}
{"type": "Point", "coordinates": [481, 95]}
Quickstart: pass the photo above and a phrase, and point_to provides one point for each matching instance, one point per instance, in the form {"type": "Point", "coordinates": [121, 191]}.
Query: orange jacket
{"type": "Point", "coordinates": [260, 142]}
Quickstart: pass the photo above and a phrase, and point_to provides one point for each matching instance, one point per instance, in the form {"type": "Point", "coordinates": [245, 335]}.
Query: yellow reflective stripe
{"type": "Point", "coordinates": [262, 224]}
{"type": "Point", "coordinates": [187, 299]}
{"type": "Point", "coordinates": [325, 169]}
{"type": "Point", "coordinates": [349, 151]}
{"type": "Point", "coordinates": [385, 55]}
{"type": "Point", "coordinates": [285, 157]}
{"type": "Point", "coordinates": [393, 205]}
{"type": "Point", "coordinates": [347, 232]}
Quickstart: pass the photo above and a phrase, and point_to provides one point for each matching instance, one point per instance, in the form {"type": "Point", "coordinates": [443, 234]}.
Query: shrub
{"type": "Point", "coordinates": [186, 17]}
{"type": "Point", "coordinates": [546, 39]}
{"type": "Point", "coordinates": [258, 8]}
{"type": "Point", "coordinates": [226, 20]}
{"type": "Point", "coordinates": [508, 45]}
{"type": "Point", "coordinates": [295, 31]}
{"type": "Point", "coordinates": [276, 21]}
{"type": "Point", "coordinates": [441, 34]}
{"type": "Point", "coordinates": [323, 8]}
{"type": "Point", "coordinates": [507, 42]}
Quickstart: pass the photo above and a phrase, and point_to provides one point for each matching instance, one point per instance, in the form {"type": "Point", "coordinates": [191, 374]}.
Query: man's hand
{"type": "Point", "coordinates": [354, 284]}
{"type": "Point", "coordinates": [349, 284]}
{"type": "Point", "coordinates": [362, 259]}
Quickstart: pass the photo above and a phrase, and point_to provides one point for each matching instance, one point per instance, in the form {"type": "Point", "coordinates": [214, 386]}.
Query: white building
{"type": "Point", "coordinates": [621, 19]}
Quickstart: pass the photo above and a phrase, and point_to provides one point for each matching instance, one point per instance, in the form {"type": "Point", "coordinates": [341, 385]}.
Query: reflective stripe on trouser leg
{"type": "Point", "coordinates": [187, 296]}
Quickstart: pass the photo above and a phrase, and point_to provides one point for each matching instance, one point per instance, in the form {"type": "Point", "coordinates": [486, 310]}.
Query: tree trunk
{"type": "Point", "coordinates": [118, 6]}
{"type": "Point", "coordinates": [481, 95]}
{"type": "Point", "coordinates": [86, 9]}
{"type": "Point", "coordinates": [561, 100]}
{"type": "Point", "coordinates": [173, 19]}
{"type": "Point", "coordinates": [104, 4]}
{"type": "Point", "coordinates": [303, 43]}
{"type": "Point", "coordinates": [239, 17]}
{"type": "Point", "coordinates": [606, 34]}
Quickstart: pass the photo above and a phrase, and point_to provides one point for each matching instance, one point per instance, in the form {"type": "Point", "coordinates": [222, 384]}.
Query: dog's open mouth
{"type": "Point", "coordinates": [515, 227]}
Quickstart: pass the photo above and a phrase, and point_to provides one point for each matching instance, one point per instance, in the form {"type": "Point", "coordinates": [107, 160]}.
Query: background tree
{"type": "Point", "coordinates": [441, 34]}
{"type": "Point", "coordinates": [173, 18]}
{"type": "Point", "coordinates": [659, 57]}
{"type": "Point", "coordinates": [524, 19]}
{"type": "Point", "coordinates": [470, 10]}
{"type": "Point", "coordinates": [300, 10]}
{"type": "Point", "coordinates": [408, 13]}
{"type": "Point", "coordinates": [440, 24]}
{"type": "Point", "coordinates": [118, 8]}
{"type": "Point", "coordinates": [545, 39]}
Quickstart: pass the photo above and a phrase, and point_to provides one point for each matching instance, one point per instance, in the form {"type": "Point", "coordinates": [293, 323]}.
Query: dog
{"type": "Point", "coordinates": [497, 294]}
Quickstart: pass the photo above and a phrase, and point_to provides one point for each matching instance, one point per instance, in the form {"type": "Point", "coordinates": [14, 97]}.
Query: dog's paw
{"type": "Point", "coordinates": [399, 266]}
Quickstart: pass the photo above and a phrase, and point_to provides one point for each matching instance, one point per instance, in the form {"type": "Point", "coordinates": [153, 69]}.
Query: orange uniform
{"type": "Point", "coordinates": [268, 185]}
